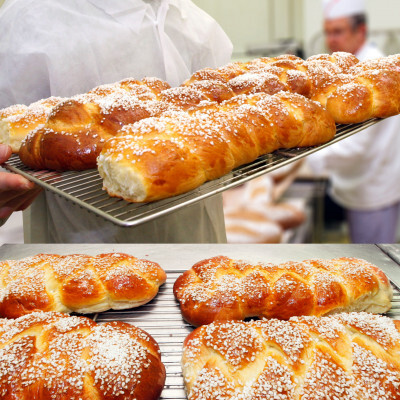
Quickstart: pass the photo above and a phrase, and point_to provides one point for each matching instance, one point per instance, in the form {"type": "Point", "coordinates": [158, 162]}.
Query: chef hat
{"type": "Point", "coordinates": [343, 8]}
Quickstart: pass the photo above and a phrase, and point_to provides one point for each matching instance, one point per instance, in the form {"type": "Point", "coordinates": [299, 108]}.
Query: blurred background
{"type": "Point", "coordinates": [273, 27]}
{"type": "Point", "coordinates": [290, 205]}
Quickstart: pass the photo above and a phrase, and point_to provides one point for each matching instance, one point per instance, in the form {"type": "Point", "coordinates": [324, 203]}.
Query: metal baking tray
{"type": "Point", "coordinates": [85, 187]}
{"type": "Point", "coordinates": [161, 317]}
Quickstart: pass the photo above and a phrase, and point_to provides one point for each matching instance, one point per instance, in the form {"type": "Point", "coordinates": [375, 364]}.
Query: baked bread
{"type": "Point", "coordinates": [353, 356]}
{"type": "Point", "coordinates": [77, 128]}
{"type": "Point", "coordinates": [18, 120]}
{"type": "Point", "coordinates": [75, 132]}
{"type": "Point", "coordinates": [284, 215]}
{"type": "Point", "coordinates": [76, 282]}
{"type": "Point", "coordinates": [351, 91]}
{"type": "Point", "coordinates": [56, 356]}
{"type": "Point", "coordinates": [166, 156]}
{"type": "Point", "coordinates": [356, 98]}
{"type": "Point", "coordinates": [244, 226]}
{"type": "Point", "coordinates": [220, 288]}
{"type": "Point", "coordinates": [273, 74]}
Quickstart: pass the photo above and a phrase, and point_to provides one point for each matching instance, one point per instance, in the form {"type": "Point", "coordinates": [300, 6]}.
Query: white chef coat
{"type": "Point", "coordinates": [62, 48]}
{"type": "Point", "coordinates": [364, 169]}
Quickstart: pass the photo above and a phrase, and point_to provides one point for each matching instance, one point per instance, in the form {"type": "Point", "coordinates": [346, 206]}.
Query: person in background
{"type": "Point", "coordinates": [364, 169]}
{"type": "Point", "coordinates": [62, 48]}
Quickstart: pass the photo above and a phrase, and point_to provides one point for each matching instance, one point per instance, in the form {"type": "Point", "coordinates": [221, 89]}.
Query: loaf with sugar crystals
{"type": "Point", "coordinates": [77, 128]}
{"type": "Point", "coordinates": [351, 91]}
{"type": "Point", "coordinates": [166, 156]}
{"type": "Point", "coordinates": [75, 131]}
{"type": "Point", "coordinates": [77, 282]}
{"type": "Point", "coordinates": [353, 356]}
{"type": "Point", "coordinates": [18, 120]}
{"type": "Point", "coordinates": [48, 355]}
{"type": "Point", "coordinates": [220, 288]}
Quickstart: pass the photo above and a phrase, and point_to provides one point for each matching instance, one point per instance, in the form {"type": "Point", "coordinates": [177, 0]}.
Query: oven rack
{"type": "Point", "coordinates": [162, 319]}
{"type": "Point", "coordinates": [84, 188]}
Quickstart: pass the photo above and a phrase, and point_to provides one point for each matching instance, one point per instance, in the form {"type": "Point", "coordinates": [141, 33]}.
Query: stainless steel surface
{"type": "Point", "coordinates": [393, 251]}
{"type": "Point", "coordinates": [85, 187]}
{"type": "Point", "coordinates": [161, 317]}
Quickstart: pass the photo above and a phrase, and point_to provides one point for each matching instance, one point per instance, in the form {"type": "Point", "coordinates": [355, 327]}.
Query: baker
{"type": "Point", "coordinates": [62, 48]}
{"type": "Point", "coordinates": [364, 169]}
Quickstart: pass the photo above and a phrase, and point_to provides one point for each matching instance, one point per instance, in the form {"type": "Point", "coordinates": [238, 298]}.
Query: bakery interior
{"type": "Point", "coordinates": [289, 308]}
{"type": "Point", "coordinates": [290, 204]}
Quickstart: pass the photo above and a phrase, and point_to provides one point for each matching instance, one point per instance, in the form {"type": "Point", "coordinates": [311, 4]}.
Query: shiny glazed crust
{"type": "Point", "coordinates": [220, 288]}
{"type": "Point", "coordinates": [166, 156]}
{"type": "Point", "coordinates": [77, 282]}
{"type": "Point", "coordinates": [353, 356]}
{"type": "Point", "coordinates": [55, 356]}
{"type": "Point", "coordinates": [18, 120]}
{"type": "Point", "coordinates": [75, 131]}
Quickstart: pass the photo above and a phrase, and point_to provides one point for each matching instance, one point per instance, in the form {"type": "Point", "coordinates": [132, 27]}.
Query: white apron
{"type": "Point", "coordinates": [365, 168]}
{"type": "Point", "coordinates": [62, 48]}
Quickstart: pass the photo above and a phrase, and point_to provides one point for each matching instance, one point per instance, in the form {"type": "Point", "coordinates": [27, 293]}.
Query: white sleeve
{"type": "Point", "coordinates": [344, 155]}
{"type": "Point", "coordinates": [201, 40]}
{"type": "Point", "coordinates": [59, 48]}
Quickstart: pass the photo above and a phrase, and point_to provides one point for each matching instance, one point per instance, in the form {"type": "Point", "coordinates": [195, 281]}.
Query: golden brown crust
{"type": "Point", "coordinates": [76, 129]}
{"type": "Point", "coordinates": [75, 132]}
{"type": "Point", "coordinates": [55, 356]}
{"type": "Point", "coordinates": [346, 356]}
{"type": "Point", "coordinates": [372, 94]}
{"type": "Point", "coordinates": [221, 289]}
{"type": "Point", "coordinates": [162, 157]}
{"type": "Point", "coordinates": [18, 120]}
{"type": "Point", "coordinates": [76, 282]}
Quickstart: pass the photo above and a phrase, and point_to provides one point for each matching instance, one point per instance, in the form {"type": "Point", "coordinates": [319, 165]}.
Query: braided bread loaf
{"type": "Point", "coordinates": [271, 75]}
{"type": "Point", "coordinates": [352, 356]}
{"type": "Point", "coordinates": [55, 356]}
{"type": "Point", "coordinates": [18, 120]}
{"type": "Point", "coordinates": [221, 289]}
{"type": "Point", "coordinates": [77, 128]}
{"type": "Point", "coordinates": [351, 91]}
{"type": "Point", "coordinates": [161, 157]}
{"type": "Point", "coordinates": [76, 282]}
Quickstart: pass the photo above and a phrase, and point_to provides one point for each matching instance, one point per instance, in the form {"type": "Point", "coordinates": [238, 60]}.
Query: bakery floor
{"type": "Point", "coordinates": [161, 317]}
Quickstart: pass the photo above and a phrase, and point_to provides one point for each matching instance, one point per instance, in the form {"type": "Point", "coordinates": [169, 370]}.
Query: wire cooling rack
{"type": "Point", "coordinates": [162, 319]}
{"type": "Point", "coordinates": [85, 187]}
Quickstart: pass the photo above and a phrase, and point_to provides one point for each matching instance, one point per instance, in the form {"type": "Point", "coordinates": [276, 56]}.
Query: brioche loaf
{"type": "Point", "coordinates": [18, 120]}
{"type": "Point", "coordinates": [221, 289]}
{"type": "Point", "coordinates": [352, 92]}
{"type": "Point", "coordinates": [353, 356]}
{"type": "Point", "coordinates": [76, 282]}
{"type": "Point", "coordinates": [162, 157]}
{"type": "Point", "coordinates": [48, 355]}
{"type": "Point", "coordinates": [77, 128]}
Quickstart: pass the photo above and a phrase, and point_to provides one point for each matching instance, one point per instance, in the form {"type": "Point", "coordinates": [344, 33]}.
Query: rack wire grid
{"type": "Point", "coordinates": [85, 187]}
{"type": "Point", "coordinates": [162, 319]}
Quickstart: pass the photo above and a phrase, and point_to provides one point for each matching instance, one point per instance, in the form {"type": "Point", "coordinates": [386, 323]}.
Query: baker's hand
{"type": "Point", "coordinates": [16, 192]}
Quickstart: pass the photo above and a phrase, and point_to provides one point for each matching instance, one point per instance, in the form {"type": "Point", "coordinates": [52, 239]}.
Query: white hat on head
{"type": "Point", "coordinates": [343, 8]}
